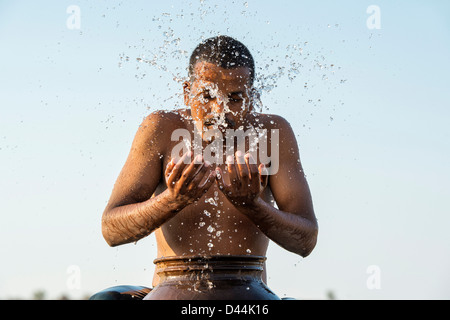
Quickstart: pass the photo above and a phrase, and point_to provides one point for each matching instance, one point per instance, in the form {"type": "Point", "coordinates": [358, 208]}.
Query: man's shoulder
{"type": "Point", "coordinates": [163, 116]}
{"type": "Point", "coordinates": [271, 121]}
{"type": "Point", "coordinates": [165, 119]}
{"type": "Point", "coordinates": [158, 126]}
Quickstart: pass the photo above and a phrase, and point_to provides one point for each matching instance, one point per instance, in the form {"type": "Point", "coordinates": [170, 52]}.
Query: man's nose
{"type": "Point", "coordinates": [217, 106]}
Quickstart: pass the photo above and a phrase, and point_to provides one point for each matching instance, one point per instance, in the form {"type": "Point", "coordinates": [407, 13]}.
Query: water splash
{"type": "Point", "coordinates": [298, 64]}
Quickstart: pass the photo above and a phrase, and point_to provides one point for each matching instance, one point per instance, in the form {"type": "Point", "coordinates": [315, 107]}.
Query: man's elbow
{"type": "Point", "coordinates": [310, 244]}
{"type": "Point", "coordinates": [109, 238]}
{"type": "Point", "coordinates": [111, 242]}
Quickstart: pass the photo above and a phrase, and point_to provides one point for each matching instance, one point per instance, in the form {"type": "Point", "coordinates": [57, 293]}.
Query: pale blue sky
{"type": "Point", "coordinates": [372, 126]}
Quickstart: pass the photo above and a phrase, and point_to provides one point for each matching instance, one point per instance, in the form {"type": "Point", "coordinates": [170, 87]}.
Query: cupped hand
{"type": "Point", "coordinates": [183, 178]}
{"type": "Point", "coordinates": [246, 179]}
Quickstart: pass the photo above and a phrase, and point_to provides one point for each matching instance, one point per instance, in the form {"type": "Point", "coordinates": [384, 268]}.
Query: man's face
{"type": "Point", "coordinates": [219, 98]}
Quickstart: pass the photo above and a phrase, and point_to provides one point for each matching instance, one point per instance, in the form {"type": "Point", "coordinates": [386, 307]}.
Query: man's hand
{"type": "Point", "coordinates": [246, 180]}
{"type": "Point", "coordinates": [183, 180]}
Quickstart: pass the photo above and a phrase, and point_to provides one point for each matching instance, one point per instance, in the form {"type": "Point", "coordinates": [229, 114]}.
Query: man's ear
{"type": "Point", "coordinates": [186, 92]}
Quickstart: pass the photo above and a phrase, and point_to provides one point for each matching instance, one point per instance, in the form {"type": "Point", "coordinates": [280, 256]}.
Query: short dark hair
{"type": "Point", "coordinates": [225, 52]}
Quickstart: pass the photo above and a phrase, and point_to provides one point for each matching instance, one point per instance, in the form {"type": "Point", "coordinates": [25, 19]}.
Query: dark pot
{"type": "Point", "coordinates": [224, 277]}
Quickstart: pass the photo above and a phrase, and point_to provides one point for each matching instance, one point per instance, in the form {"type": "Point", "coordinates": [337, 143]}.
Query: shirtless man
{"type": "Point", "coordinates": [162, 193]}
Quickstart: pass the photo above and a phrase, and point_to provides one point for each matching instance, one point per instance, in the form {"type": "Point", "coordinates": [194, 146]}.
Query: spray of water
{"type": "Point", "coordinates": [169, 56]}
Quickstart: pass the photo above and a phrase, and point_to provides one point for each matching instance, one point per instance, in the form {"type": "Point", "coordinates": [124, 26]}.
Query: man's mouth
{"type": "Point", "coordinates": [209, 122]}
{"type": "Point", "coordinates": [227, 123]}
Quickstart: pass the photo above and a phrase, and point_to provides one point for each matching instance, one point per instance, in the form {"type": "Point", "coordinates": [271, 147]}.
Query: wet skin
{"type": "Point", "coordinates": [157, 193]}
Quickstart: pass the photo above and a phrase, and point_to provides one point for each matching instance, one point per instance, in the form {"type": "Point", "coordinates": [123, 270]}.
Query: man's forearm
{"type": "Point", "coordinates": [129, 223]}
{"type": "Point", "coordinates": [291, 231]}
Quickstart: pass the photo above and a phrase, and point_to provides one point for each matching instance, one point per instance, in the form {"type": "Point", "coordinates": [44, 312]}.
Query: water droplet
{"type": "Point", "coordinates": [211, 201]}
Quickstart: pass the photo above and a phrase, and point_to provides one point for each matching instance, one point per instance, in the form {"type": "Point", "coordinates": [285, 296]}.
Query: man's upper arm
{"type": "Point", "coordinates": [141, 173]}
{"type": "Point", "coordinates": [289, 186]}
